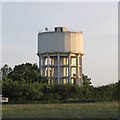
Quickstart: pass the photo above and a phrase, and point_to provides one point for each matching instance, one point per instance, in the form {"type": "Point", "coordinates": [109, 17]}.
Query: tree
{"type": "Point", "coordinates": [5, 70]}
{"type": "Point", "coordinates": [29, 72]}
{"type": "Point", "coordinates": [86, 80]}
{"type": "Point", "coordinates": [24, 83]}
{"type": "Point", "coordinates": [34, 92]}
{"type": "Point", "coordinates": [8, 88]}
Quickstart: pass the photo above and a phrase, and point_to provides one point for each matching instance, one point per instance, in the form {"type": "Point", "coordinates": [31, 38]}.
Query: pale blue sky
{"type": "Point", "coordinates": [97, 21]}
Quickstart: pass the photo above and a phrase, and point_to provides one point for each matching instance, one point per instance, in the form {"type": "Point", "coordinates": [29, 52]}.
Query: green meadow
{"type": "Point", "coordinates": [74, 110]}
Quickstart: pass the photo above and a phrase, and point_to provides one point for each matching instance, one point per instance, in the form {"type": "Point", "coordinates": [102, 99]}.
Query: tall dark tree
{"type": "Point", "coordinates": [29, 72]}
{"type": "Point", "coordinates": [4, 71]}
{"type": "Point", "coordinates": [86, 80]}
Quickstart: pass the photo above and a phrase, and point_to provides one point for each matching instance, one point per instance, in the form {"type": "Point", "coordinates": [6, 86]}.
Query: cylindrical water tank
{"type": "Point", "coordinates": [60, 40]}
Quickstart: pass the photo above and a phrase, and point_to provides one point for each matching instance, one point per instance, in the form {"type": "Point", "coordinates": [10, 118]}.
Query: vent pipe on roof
{"type": "Point", "coordinates": [60, 29]}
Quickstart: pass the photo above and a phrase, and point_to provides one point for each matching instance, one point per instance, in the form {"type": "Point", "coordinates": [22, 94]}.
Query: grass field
{"type": "Point", "coordinates": [76, 110]}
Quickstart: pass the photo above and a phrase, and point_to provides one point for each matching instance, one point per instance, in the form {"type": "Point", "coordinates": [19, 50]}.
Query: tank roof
{"type": "Point", "coordinates": [59, 29]}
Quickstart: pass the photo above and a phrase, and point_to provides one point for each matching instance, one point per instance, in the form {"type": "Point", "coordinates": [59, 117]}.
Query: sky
{"type": "Point", "coordinates": [21, 21]}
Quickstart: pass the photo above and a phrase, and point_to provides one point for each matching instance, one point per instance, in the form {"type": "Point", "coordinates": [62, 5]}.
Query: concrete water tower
{"type": "Point", "coordinates": [60, 55]}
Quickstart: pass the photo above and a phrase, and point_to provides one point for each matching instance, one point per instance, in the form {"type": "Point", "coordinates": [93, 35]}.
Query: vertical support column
{"type": "Point", "coordinates": [72, 80]}
{"type": "Point", "coordinates": [48, 68]}
{"type": "Point", "coordinates": [48, 63]}
{"type": "Point", "coordinates": [81, 80]}
{"type": "Point", "coordinates": [65, 69]}
{"type": "Point", "coordinates": [43, 66]}
{"type": "Point", "coordinates": [52, 69]}
{"type": "Point", "coordinates": [77, 69]}
{"type": "Point", "coordinates": [40, 65]}
{"type": "Point", "coordinates": [58, 68]}
{"type": "Point", "coordinates": [62, 68]}
{"type": "Point", "coordinates": [65, 72]}
{"type": "Point", "coordinates": [69, 68]}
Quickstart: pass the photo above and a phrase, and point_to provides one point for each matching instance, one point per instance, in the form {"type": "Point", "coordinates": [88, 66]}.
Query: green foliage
{"type": "Point", "coordinates": [24, 83]}
{"type": "Point", "coordinates": [21, 91]}
{"type": "Point", "coordinates": [30, 73]}
{"type": "Point", "coordinates": [65, 91]}
{"type": "Point", "coordinates": [5, 70]}
{"type": "Point", "coordinates": [86, 80]}
{"type": "Point", "coordinates": [106, 93]}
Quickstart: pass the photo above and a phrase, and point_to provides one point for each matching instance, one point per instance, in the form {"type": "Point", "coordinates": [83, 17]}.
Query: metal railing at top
{"type": "Point", "coordinates": [52, 30]}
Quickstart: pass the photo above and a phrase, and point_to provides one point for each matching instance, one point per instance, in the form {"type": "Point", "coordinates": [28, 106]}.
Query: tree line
{"type": "Point", "coordinates": [24, 83]}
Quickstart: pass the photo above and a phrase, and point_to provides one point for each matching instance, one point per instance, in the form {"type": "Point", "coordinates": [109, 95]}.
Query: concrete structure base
{"type": "Point", "coordinates": [61, 68]}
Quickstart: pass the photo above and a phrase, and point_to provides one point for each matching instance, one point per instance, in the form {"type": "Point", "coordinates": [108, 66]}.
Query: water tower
{"type": "Point", "coordinates": [60, 55]}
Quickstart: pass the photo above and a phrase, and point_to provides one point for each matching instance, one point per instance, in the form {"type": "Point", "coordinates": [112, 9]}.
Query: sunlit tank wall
{"type": "Point", "coordinates": [49, 42]}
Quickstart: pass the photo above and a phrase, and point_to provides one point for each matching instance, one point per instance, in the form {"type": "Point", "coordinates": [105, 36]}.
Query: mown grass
{"type": "Point", "coordinates": [76, 110]}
